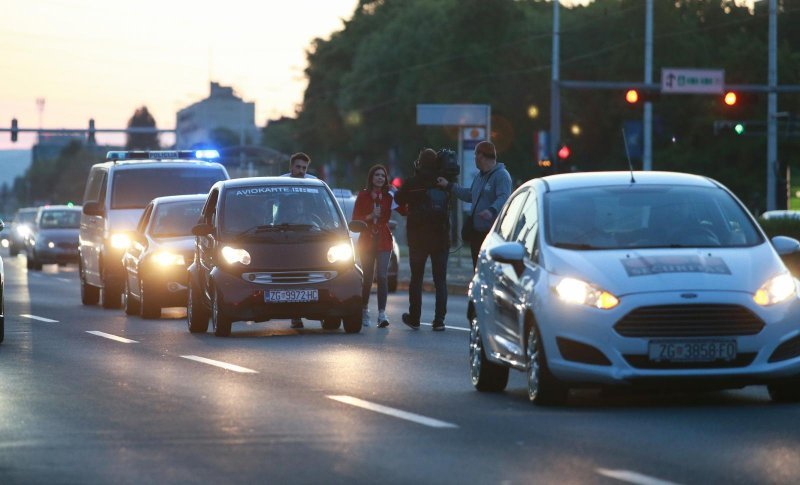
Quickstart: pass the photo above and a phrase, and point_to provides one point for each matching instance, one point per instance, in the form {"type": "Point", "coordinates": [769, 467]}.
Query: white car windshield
{"type": "Point", "coordinates": [176, 219]}
{"type": "Point", "coordinates": [646, 216]}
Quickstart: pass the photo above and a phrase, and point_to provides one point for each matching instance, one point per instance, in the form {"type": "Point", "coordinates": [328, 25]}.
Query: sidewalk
{"type": "Point", "coordinates": [459, 272]}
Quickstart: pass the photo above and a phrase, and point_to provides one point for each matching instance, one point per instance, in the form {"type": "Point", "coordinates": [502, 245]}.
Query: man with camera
{"type": "Point", "coordinates": [428, 229]}
{"type": "Point", "coordinates": [490, 189]}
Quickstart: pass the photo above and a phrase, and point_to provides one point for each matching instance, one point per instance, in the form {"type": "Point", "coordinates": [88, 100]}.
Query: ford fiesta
{"type": "Point", "coordinates": [273, 248]}
{"type": "Point", "coordinates": [621, 278]}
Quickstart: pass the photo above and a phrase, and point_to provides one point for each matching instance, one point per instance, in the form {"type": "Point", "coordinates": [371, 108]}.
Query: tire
{"type": "Point", "coordinates": [543, 388]}
{"type": "Point", "coordinates": [352, 323]}
{"type": "Point", "coordinates": [2, 328]}
{"type": "Point", "coordinates": [149, 305]}
{"type": "Point", "coordinates": [332, 323]}
{"type": "Point", "coordinates": [36, 265]}
{"type": "Point", "coordinates": [785, 390]}
{"type": "Point", "coordinates": [486, 376]}
{"type": "Point", "coordinates": [111, 296]}
{"type": "Point", "coordinates": [12, 251]}
{"type": "Point", "coordinates": [196, 312]}
{"type": "Point", "coordinates": [129, 303]}
{"type": "Point", "coordinates": [28, 262]}
{"type": "Point", "coordinates": [90, 295]}
{"type": "Point", "coordinates": [222, 324]}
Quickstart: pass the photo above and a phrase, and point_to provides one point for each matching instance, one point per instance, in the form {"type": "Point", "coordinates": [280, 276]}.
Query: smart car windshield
{"type": "Point", "coordinates": [60, 219]}
{"type": "Point", "coordinates": [646, 216]}
{"type": "Point", "coordinates": [175, 219]}
{"type": "Point", "coordinates": [266, 209]}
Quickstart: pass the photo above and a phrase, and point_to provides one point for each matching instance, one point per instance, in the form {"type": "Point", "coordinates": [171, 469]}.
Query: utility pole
{"type": "Point", "coordinates": [772, 105]}
{"type": "Point", "coordinates": [647, 153]}
{"type": "Point", "coordinates": [555, 95]}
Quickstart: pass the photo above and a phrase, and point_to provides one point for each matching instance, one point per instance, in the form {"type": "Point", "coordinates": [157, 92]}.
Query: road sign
{"type": "Point", "coordinates": [692, 81]}
{"type": "Point", "coordinates": [454, 114]}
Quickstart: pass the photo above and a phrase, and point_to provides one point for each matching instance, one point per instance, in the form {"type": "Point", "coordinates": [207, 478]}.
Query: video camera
{"type": "Point", "coordinates": [447, 165]}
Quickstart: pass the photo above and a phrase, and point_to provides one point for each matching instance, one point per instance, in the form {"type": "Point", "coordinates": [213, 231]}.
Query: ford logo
{"type": "Point", "coordinates": [688, 295]}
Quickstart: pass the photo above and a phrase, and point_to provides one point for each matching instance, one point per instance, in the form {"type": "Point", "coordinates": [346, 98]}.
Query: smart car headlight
{"type": "Point", "coordinates": [575, 291]}
{"type": "Point", "coordinates": [166, 258]}
{"type": "Point", "coordinates": [120, 240]}
{"type": "Point", "coordinates": [775, 290]}
{"type": "Point", "coordinates": [235, 255]}
{"type": "Point", "coordinates": [340, 252]}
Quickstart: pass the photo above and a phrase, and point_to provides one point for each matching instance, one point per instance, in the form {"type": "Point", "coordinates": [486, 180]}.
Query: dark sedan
{"type": "Point", "coordinates": [53, 237]}
{"type": "Point", "coordinates": [162, 246]}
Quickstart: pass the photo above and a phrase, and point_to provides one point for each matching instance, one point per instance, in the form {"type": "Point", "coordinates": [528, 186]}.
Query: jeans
{"type": "Point", "coordinates": [475, 246]}
{"type": "Point", "coordinates": [368, 259]}
{"type": "Point", "coordinates": [417, 258]}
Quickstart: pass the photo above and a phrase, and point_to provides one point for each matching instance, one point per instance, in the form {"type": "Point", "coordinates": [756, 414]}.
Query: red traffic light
{"type": "Point", "coordinates": [632, 96]}
{"type": "Point", "coordinates": [563, 152]}
{"type": "Point", "coordinates": [730, 98]}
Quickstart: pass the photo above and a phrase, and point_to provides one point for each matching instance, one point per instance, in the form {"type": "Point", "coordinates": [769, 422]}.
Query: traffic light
{"type": "Point", "coordinates": [564, 153]}
{"type": "Point", "coordinates": [739, 128]}
{"type": "Point", "coordinates": [730, 98]}
{"type": "Point", "coordinates": [636, 96]}
{"type": "Point", "coordinates": [14, 130]}
{"type": "Point", "coordinates": [632, 96]}
{"type": "Point", "coordinates": [90, 136]}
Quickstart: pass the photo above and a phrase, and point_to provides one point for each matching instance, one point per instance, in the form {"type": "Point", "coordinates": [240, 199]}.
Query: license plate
{"type": "Point", "coordinates": [692, 350]}
{"type": "Point", "coordinates": [290, 296]}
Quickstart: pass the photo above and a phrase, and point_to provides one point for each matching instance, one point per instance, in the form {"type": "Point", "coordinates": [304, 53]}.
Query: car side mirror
{"type": "Point", "coordinates": [93, 209]}
{"type": "Point", "coordinates": [392, 225]}
{"type": "Point", "coordinates": [785, 246]}
{"type": "Point", "coordinates": [2, 225]}
{"type": "Point", "coordinates": [512, 253]}
{"type": "Point", "coordinates": [203, 229]}
{"type": "Point", "coordinates": [357, 226]}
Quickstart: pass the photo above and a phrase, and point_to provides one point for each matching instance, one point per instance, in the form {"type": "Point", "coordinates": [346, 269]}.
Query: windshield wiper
{"type": "Point", "coordinates": [273, 227]}
{"type": "Point", "coordinates": [567, 245]}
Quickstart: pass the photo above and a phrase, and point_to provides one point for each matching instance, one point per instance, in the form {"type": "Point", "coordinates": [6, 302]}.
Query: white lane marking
{"type": "Point", "coordinates": [449, 326]}
{"type": "Point", "coordinates": [41, 319]}
{"type": "Point", "coordinates": [224, 365]}
{"type": "Point", "coordinates": [633, 477]}
{"type": "Point", "coordinates": [416, 418]}
{"type": "Point", "coordinates": [112, 337]}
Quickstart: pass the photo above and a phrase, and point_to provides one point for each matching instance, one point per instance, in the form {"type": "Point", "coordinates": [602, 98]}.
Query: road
{"type": "Point", "coordinates": [91, 396]}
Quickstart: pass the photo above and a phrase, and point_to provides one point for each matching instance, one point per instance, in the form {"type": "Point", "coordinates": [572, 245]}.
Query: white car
{"type": "Point", "coordinates": [632, 278]}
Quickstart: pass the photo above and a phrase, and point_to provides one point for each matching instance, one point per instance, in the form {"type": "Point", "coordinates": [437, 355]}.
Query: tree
{"type": "Point", "coordinates": [142, 141]}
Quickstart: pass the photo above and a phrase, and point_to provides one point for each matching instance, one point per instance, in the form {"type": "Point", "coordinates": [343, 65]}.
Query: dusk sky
{"type": "Point", "coordinates": [102, 59]}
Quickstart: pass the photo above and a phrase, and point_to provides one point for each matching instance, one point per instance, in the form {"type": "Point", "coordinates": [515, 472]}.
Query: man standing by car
{"type": "Point", "coordinates": [428, 231]}
{"type": "Point", "coordinates": [298, 168]}
{"type": "Point", "coordinates": [490, 189]}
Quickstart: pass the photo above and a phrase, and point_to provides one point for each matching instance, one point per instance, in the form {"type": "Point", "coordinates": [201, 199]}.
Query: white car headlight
{"type": "Point", "coordinates": [340, 252]}
{"type": "Point", "coordinates": [571, 290]}
{"type": "Point", "coordinates": [23, 230]}
{"type": "Point", "coordinates": [165, 258]}
{"type": "Point", "coordinates": [234, 255]}
{"type": "Point", "coordinates": [4, 243]}
{"type": "Point", "coordinates": [120, 240]}
{"type": "Point", "coordinates": [51, 244]}
{"type": "Point", "coordinates": [775, 290]}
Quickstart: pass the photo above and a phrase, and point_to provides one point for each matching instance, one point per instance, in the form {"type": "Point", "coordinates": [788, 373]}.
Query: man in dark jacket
{"type": "Point", "coordinates": [428, 231]}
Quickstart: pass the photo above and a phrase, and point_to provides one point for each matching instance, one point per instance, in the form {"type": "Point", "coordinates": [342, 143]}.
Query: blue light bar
{"type": "Point", "coordinates": [162, 155]}
{"type": "Point", "coordinates": [206, 154]}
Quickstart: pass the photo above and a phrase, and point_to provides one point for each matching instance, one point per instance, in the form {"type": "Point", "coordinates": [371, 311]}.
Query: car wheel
{"type": "Point", "coordinates": [148, 300]}
{"type": "Point", "coordinates": [111, 296]}
{"type": "Point", "coordinates": [28, 262]}
{"type": "Point", "coordinates": [129, 303]}
{"type": "Point", "coordinates": [486, 375]}
{"type": "Point", "coordinates": [222, 324]}
{"type": "Point", "coordinates": [352, 323]}
{"type": "Point", "coordinates": [196, 311]}
{"type": "Point", "coordinates": [12, 251]}
{"type": "Point", "coordinates": [35, 263]}
{"type": "Point", "coordinates": [785, 390]}
{"type": "Point", "coordinates": [90, 295]}
{"type": "Point", "coordinates": [332, 323]}
{"type": "Point", "coordinates": [543, 388]}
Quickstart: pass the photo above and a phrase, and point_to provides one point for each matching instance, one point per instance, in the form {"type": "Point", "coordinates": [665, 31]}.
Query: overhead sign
{"type": "Point", "coordinates": [470, 137]}
{"type": "Point", "coordinates": [454, 114]}
{"type": "Point", "coordinates": [692, 81]}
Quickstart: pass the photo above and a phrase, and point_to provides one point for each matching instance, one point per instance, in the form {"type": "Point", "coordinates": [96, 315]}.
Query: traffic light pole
{"type": "Point", "coordinates": [555, 93]}
{"type": "Point", "coordinates": [772, 106]}
{"type": "Point", "coordinates": [647, 154]}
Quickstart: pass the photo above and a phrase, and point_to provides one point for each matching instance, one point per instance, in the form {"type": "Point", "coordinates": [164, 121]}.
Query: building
{"type": "Point", "coordinates": [222, 115]}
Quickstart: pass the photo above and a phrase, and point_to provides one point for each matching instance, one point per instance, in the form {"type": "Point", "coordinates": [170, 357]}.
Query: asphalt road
{"type": "Point", "coordinates": [275, 405]}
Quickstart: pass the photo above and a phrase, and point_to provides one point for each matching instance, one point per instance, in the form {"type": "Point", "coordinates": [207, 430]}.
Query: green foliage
{"type": "Point", "coordinates": [57, 181]}
{"type": "Point", "coordinates": [781, 227]}
{"type": "Point", "coordinates": [142, 141]}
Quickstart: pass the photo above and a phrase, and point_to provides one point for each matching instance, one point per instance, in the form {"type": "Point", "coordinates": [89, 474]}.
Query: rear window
{"type": "Point", "coordinates": [134, 189]}
{"type": "Point", "coordinates": [60, 219]}
{"type": "Point", "coordinates": [25, 217]}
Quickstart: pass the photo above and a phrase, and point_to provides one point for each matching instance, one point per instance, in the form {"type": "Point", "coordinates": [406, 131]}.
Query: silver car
{"type": "Point", "coordinates": [632, 278]}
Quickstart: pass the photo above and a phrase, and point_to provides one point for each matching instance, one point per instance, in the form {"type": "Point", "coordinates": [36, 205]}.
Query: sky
{"type": "Point", "coordinates": [102, 59]}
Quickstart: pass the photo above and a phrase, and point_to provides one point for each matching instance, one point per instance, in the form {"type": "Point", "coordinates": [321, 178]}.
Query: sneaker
{"type": "Point", "coordinates": [383, 322]}
{"type": "Point", "coordinates": [438, 326]}
{"type": "Point", "coordinates": [365, 317]}
{"type": "Point", "coordinates": [297, 323]}
{"type": "Point", "coordinates": [410, 321]}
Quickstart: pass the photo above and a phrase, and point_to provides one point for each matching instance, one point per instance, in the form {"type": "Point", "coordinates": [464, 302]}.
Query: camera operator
{"type": "Point", "coordinates": [490, 189]}
{"type": "Point", "coordinates": [428, 230]}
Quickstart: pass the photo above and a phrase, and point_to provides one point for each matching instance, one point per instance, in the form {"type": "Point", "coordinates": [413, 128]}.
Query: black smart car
{"type": "Point", "coordinates": [273, 248]}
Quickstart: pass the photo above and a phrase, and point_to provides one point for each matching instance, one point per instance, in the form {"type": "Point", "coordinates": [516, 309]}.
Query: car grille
{"type": "Point", "coordinates": [644, 362]}
{"type": "Point", "coordinates": [289, 277]}
{"type": "Point", "coordinates": [689, 321]}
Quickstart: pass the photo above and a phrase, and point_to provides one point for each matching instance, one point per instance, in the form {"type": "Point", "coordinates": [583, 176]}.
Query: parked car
{"type": "Point", "coordinates": [273, 247]}
{"type": "Point", "coordinates": [347, 201]}
{"type": "Point", "coordinates": [21, 229]}
{"type": "Point", "coordinates": [2, 297]}
{"type": "Point", "coordinates": [54, 236]}
{"type": "Point", "coordinates": [161, 250]}
{"type": "Point", "coordinates": [117, 191]}
{"type": "Point", "coordinates": [593, 279]}
{"type": "Point", "coordinates": [781, 214]}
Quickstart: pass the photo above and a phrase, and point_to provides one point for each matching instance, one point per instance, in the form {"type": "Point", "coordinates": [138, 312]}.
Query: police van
{"type": "Point", "coordinates": [117, 191]}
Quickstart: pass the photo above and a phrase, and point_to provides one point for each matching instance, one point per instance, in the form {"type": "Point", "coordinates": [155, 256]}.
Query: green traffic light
{"type": "Point", "coordinates": [739, 128]}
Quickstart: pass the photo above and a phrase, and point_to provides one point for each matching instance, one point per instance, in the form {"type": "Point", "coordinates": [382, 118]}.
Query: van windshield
{"type": "Point", "coordinates": [134, 189]}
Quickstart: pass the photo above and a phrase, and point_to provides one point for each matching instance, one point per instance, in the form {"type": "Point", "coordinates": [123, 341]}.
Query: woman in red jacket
{"type": "Point", "coordinates": [374, 206]}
